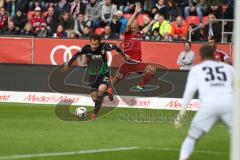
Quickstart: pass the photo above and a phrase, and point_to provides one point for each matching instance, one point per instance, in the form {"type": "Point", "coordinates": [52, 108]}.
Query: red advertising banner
{"type": "Point", "coordinates": [59, 51]}
{"type": "Point", "coordinates": [50, 51]}
{"type": "Point", "coordinates": [16, 50]}
{"type": "Point", "coordinates": [167, 53]}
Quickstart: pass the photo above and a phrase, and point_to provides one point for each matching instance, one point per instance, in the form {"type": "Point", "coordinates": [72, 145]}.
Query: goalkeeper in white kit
{"type": "Point", "coordinates": [214, 82]}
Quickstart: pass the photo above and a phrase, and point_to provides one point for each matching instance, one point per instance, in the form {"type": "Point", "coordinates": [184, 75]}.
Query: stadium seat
{"type": "Point", "coordinates": [205, 20]}
{"type": "Point", "coordinates": [30, 15]}
{"type": "Point", "coordinates": [140, 19]}
{"type": "Point", "coordinates": [127, 16]}
{"type": "Point", "coordinates": [193, 20]}
{"type": "Point", "coordinates": [99, 31]}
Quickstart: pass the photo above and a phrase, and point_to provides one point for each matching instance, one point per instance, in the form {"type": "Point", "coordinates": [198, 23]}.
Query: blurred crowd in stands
{"type": "Point", "coordinates": [79, 18]}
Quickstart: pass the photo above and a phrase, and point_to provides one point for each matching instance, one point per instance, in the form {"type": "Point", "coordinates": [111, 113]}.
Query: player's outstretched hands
{"type": "Point", "coordinates": [138, 7]}
{"type": "Point", "coordinates": [65, 68]}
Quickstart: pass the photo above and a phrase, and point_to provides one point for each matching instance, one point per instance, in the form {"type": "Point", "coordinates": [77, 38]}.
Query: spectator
{"type": "Point", "coordinates": [93, 13]}
{"type": "Point", "coordinates": [123, 21]}
{"type": "Point", "coordinates": [37, 19]}
{"type": "Point", "coordinates": [181, 4]}
{"type": "Point", "coordinates": [195, 6]}
{"type": "Point", "coordinates": [43, 32]}
{"type": "Point", "coordinates": [77, 7]}
{"type": "Point", "coordinates": [20, 20]}
{"type": "Point", "coordinates": [120, 4]}
{"type": "Point", "coordinates": [130, 8]}
{"type": "Point", "coordinates": [164, 27]}
{"type": "Point", "coordinates": [195, 35]}
{"type": "Point", "coordinates": [34, 4]}
{"type": "Point", "coordinates": [51, 20]}
{"type": "Point", "coordinates": [63, 6]}
{"type": "Point", "coordinates": [155, 35]}
{"type": "Point", "coordinates": [226, 10]}
{"type": "Point", "coordinates": [212, 29]}
{"type": "Point", "coordinates": [227, 13]}
{"type": "Point", "coordinates": [173, 11]}
{"type": "Point", "coordinates": [28, 30]}
{"type": "Point", "coordinates": [51, 4]}
{"type": "Point", "coordinates": [66, 21]}
{"type": "Point", "coordinates": [115, 25]}
{"type": "Point", "coordinates": [60, 33]}
{"type": "Point", "coordinates": [214, 9]}
{"type": "Point", "coordinates": [23, 6]}
{"type": "Point", "coordinates": [12, 7]}
{"type": "Point", "coordinates": [72, 34]}
{"type": "Point", "coordinates": [108, 10]}
{"type": "Point", "coordinates": [179, 29]}
{"type": "Point", "coordinates": [159, 8]}
{"type": "Point", "coordinates": [11, 30]}
{"type": "Point", "coordinates": [3, 19]}
{"type": "Point", "coordinates": [186, 57]}
{"type": "Point", "coordinates": [107, 34]}
{"type": "Point", "coordinates": [79, 25]}
{"type": "Point", "coordinates": [86, 32]}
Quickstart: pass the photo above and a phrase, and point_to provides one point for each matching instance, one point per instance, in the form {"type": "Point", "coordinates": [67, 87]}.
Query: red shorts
{"type": "Point", "coordinates": [126, 68]}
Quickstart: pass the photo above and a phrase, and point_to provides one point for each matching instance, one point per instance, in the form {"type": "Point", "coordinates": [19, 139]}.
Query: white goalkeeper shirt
{"type": "Point", "coordinates": [212, 80]}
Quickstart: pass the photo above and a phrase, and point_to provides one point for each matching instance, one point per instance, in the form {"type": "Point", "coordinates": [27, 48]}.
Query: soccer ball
{"type": "Point", "coordinates": [81, 112]}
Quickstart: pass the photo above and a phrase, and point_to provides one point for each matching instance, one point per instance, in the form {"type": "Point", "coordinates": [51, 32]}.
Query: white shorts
{"type": "Point", "coordinates": [207, 116]}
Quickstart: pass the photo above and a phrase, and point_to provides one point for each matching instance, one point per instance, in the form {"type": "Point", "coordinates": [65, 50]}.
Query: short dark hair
{"type": "Point", "coordinates": [212, 39]}
{"type": "Point", "coordinates": [95, 37]}
{"type": "Point", "coordinates": [207, 52]}
{"type": "Point", "coordinates": [190, 44]}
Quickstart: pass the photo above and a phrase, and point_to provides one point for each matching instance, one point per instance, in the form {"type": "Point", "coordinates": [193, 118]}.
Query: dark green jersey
{"type": "Point", "coordinates": [96, 60]}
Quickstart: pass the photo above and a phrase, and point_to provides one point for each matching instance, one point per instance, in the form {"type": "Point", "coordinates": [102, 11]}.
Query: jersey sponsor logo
{"type": "Point", "coordinates": [68, 52]}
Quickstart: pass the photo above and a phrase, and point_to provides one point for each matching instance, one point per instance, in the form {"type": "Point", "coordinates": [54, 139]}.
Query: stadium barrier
{"type": "Point", "coordinates": [49, 51]}
{"type": "Point", "coordinates": [30, 84]}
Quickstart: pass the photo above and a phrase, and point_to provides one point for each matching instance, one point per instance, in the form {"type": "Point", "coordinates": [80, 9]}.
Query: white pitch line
{"type": "Point", "coordinates": [197, 151]}
{"type": "Point", "coordinates": [25, 156]}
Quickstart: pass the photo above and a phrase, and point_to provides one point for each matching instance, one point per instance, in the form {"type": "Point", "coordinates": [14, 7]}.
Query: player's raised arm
{"type": "Point", "coordinates": [191, 88]}
{"type": "Point", "coordinates": [110, 47]}
{"type": "Point", "coordinates": [69, 63]}
{"type": "Point", "coordinates": [133, 17]}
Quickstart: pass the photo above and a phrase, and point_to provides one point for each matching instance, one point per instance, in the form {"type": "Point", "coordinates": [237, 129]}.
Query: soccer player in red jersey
{"type": "Point", "coordinates": [220, 55]}
{"type": "Point", "coordinates": [132, 48]}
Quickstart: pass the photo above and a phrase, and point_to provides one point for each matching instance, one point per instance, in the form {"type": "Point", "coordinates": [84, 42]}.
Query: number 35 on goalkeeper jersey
{"type": "Point", "coordinates": [214, 82]}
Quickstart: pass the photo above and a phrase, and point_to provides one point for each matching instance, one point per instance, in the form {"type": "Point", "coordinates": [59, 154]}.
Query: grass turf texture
{"type": "Point", "coordinates": [32, 129]}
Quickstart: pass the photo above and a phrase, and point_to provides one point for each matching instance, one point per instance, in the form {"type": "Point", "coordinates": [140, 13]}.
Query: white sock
{"type": "Point", "coordinates": [187, 148]}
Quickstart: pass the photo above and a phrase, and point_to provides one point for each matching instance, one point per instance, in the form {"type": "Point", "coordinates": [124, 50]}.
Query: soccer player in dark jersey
{"type": "Point", "coordinates": [132, 47]}
{"type": "Point", "coordinates": [219, 55]}
{"type": "Point", "coordinates": [97, 68]}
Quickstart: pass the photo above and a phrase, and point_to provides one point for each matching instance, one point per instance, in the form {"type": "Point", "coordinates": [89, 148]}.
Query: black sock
{"type": "Point", "coordinates": [98, 104]}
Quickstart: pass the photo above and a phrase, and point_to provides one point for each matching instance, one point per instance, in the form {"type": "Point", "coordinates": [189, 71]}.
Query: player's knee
{"type": "Point", "coordinates": [101, 93]}
{"type": "Point", "coordinates": [195, 133]}
{"type": "Point", "coordinates": [94, 99]}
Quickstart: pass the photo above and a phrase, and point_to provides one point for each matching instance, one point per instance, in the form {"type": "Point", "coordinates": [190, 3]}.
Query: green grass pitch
{"type": "Point", "coordinates": [33, 132]}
